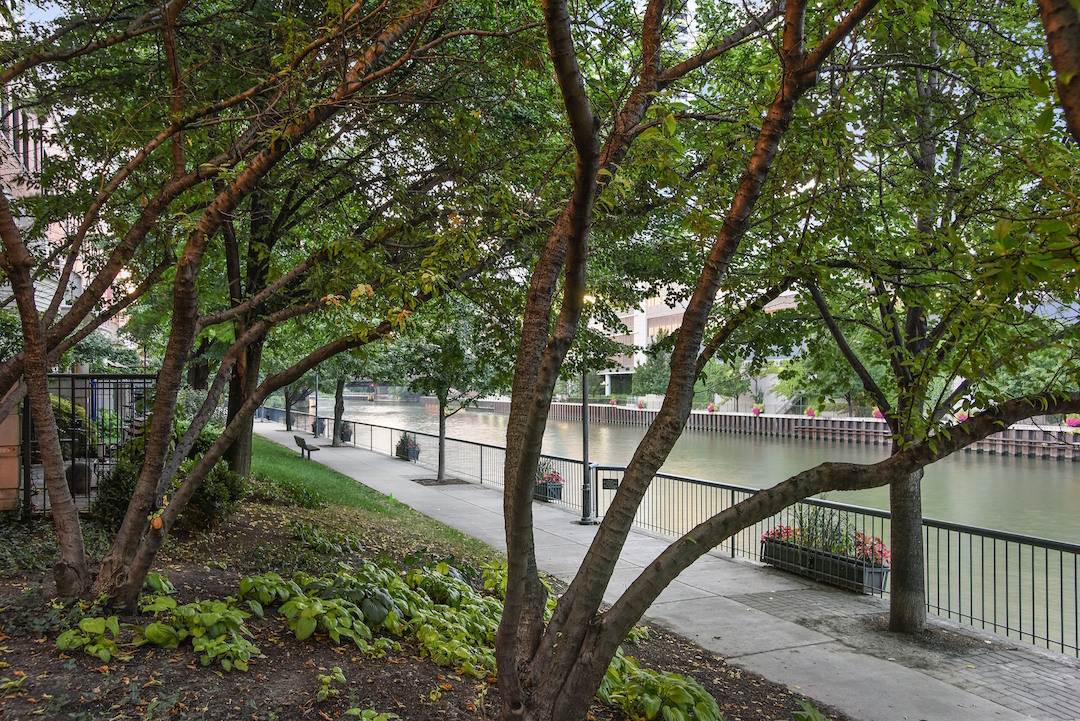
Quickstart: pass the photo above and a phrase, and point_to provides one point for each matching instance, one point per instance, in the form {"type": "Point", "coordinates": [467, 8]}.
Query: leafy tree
{"type": "Point", "coordinates": [442, 356]}
{"type": "Point", "coordinates": [551, 670]}
{"type": "Point", "coordinates": [1061, 21]}
{"type": "Point", "coordinates": [102, 355]}
{"type": "Point", "coordinates": [179, 170]}
{"type": "Point", "coordinates": [651, 377]}
{"type": "Point", "coordinates": [727, 380]}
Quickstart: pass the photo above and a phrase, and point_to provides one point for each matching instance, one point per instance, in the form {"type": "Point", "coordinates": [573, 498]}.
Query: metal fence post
{"type": "Point", "coordinates": [587, 481]}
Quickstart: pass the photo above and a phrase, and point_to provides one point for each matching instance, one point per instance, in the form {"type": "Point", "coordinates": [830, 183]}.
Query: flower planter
{"type": "Point", "coordinates": [408, 454]}
{"type": "Point", "coordinates": [547, 492]}
{"type": "Point", "coordinates": [831, 568]}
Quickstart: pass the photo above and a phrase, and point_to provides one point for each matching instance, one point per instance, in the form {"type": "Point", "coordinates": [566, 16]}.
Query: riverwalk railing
{"type": "Point", "coordinates": [1022, 587]}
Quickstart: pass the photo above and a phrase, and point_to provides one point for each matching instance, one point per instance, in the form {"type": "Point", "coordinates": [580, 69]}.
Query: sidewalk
{"type": "Point", "coordinates": [828, 644]}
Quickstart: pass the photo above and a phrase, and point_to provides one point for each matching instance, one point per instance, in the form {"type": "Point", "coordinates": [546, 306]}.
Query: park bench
{"type": "Point", "coordinates": [304, 446]}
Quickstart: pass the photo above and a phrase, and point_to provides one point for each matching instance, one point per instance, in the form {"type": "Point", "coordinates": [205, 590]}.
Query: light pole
{"type": "Point", "coordinates": [315, 425]}
{"type": "Point", "coordinates": [587, 518]}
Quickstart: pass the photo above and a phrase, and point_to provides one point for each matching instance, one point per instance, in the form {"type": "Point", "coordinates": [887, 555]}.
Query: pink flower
{"type": "Point", "coordinates": [780, 533]}
{"type": "Point", "coordinates": [811, 412]}
{"type": "Point", "coordinates": [1073, 421]}
{"type": "Point", "coordinates": [961, 417]}
{"type": "Point", "coordinates": [711, 408]}
{"type": "Point", "coordinates": [611, 402]}
{"type": "Point", "coordinates": [872, 549]}
{"type": "Point", "coordinates": [877, 414]}
{"type": "Point", "coordinates": [757, 409]}
{"type": "Point", "coordinates": [641, 404]}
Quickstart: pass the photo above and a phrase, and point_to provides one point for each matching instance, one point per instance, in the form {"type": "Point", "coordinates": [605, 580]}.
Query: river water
{"type": "Point", "coordinates": [1030, 496]}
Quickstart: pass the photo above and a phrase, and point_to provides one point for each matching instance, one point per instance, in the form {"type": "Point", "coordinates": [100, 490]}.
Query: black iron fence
{"type": "Point", "coordinates": [95, 416]}
{"type": "Point", "coordinates": [1022, 587]}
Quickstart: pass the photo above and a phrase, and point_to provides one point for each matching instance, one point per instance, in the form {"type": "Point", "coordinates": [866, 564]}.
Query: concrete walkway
{"type": "Point", "coordinates": [828, 644]}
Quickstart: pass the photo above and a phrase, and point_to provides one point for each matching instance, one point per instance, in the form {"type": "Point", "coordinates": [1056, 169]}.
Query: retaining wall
{"type": "Point", "coordinates": [1020, 440]}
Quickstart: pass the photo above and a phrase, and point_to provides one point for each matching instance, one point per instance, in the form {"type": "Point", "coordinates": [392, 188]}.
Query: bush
{"type": "Point", "coordinates": [76, 431]}
{"type": "Point", "coordinates": [216, 500]}
{"type": "Point", "coordinates": [114, 492]}
{"type": "Point", "coordinates": [210, 506]}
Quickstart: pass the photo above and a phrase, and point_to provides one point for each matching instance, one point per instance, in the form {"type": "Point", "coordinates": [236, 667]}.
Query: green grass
{"type": "Point", "coordinates": [399, 524]}
{"type": "Point", "coordinates": [271, 460]}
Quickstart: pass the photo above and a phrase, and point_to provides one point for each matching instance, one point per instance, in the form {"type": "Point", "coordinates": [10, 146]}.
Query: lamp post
{"type": "Point", "coordinates": [315, 425]}
{"type": "Point", "coordinates": [587, 518]}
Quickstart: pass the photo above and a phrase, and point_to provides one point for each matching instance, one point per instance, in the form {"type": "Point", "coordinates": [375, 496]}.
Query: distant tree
{"type": "Point", "coordinates": [102, 354]}
{"type": "Point", "coordinates": [442, 356]}
{"type": "Point", "coordinates": [652, 376]}
{"type": "Point", "coordinates": [820, 374]}
{"type": "Point", "coordinates": [727, 380]}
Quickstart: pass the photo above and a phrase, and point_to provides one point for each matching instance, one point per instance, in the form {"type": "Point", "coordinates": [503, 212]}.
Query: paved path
{"type": "Point", "coordinates": [828, 644]}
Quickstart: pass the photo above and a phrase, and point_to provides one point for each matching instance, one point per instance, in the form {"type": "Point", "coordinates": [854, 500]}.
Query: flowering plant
{"type": "Point", "coordinates": [641, 404]}
{"type": "Point", "coordinates": [546, 475]}
{"type": "Point", "coordinates": [711, 408]}
{"type": "Point", "coordinates": [811, 412]}
{"type": "Point", "coordinates": [826, 530]}
{"type": "Point", "coordinates": [961, 417]}
{"type": "Point", "coordinates": [781, 533]}
{"type": "Point", "coordinates": [876, 413]}
{"type": "Point", "coordinates": [872, 550]}
{"type": "Point", "coordinates": [1072, 421]}
{"type": "Point", "coordinates": [407, 446]}
{"type": "Point", "coordinates": [611, 402]}
{"type": "Point", "coordinates": [757, 409]}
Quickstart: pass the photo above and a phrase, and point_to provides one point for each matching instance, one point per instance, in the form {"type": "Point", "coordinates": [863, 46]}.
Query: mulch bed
{"type": "Point", "coordinates": [38, 681]}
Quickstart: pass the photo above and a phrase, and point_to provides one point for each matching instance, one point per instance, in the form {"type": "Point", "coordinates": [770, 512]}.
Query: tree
{"type": "Point", "coordinates": [442, 356]}
{"type": "Point", "coordinates": [1061, 21]}
{"type": "Point", "coordinates": [551, 670]}
{"type": "Point", "coordinates": [159, 127]}
{"type": "Point", "coordinates": [651, 377]}
{"type": "Point", "coordinates": [821, 373]}
{"type": "Point", "coordinates": [727, 380]}
{"type": "Point", "coordinates": [918, 317]}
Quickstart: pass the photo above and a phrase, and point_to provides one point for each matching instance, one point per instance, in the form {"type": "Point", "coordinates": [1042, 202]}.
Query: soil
{"type": "Point", "coordinates": [39, 681]}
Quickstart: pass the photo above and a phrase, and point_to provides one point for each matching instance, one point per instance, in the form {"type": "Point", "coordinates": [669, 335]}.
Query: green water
{"type": "Point", "coordinates": [1023, 495]}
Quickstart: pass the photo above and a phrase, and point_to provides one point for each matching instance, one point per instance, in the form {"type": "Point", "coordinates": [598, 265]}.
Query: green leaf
{"type": "Point", "coordinates": [305, 627]}
{"type": "Point", "coordinates": [93, 625]}
{"type": "Point", "coordinates": [162, 635]}
{"type": "Point", "coordinates": [1038, 86]}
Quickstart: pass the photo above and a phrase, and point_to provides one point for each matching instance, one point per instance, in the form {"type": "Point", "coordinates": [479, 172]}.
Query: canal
{"type": "Point", "coordinates": [1031, 496]}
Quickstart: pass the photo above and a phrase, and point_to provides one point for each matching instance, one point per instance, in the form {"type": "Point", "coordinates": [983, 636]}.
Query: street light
{"type": "Point", "coordinates": [587, 518]}
{"type": "Point", "coordinates": [315, 425]}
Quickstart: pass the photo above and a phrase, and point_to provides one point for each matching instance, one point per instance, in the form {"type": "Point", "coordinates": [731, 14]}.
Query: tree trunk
{"type": "Point", "coordinates": [241, 386]}
{"type": "Point", "coordinates": [70, 573]}
{"type": "Point", "coordinates": [1061, 21]}
{"type": "Point", "coordinates": [288, 410]}
{"type": "Point", "coordinates": [339, 410]}
{"type": "Point", "coordinates": [907, 598]}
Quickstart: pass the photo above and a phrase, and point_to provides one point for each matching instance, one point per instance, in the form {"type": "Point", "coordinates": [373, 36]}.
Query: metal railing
{"type": "Point", "coordinates": [95, 416]}
{"type": "Point", "coordinates": [1022, 587]}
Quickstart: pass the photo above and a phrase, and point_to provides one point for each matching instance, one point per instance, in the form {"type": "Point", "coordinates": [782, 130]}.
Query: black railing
{"type": "Point", "coordinates": [95, 416]}
{"type": "Point", "coordinates": [1022, 587]}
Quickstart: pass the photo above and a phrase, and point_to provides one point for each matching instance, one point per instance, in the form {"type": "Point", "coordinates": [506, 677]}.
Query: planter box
{"type": "Point", "coordinates": [831, 568]}
{"type": "Point", "coordinates": [547, 492]}
{"type": "Point", "coordinates": [408, 454]}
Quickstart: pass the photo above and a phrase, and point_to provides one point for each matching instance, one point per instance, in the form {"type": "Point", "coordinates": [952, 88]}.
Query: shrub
{"type": "Point", "coordinates": [217, 498]}
{"type": "Point", "coordinates": [114, 492]}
